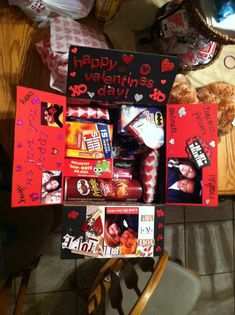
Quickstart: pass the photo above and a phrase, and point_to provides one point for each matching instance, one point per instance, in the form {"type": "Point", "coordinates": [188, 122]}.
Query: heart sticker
{"type": "Point", "coordinates": [172, 141]}
{"type": "Point", "coordinates": [166, 65]}
{"type": "Point", "coordinates": [91, 94]}
{"type": "Point", "coordinates": [73, 215]}
{"type": "Point", "coordinates": [19, 168]}
{"type": "Point", "coordinates": [163, 82]}
{"type": "Point", "coordinates": [127, 58]}
{"type": "Point", "coordinates": [35, 100]}
{"type": "Point", "coordinates": [73, 74]}
{"type": "Point", "coordinates": [34, 196]}
{"type": "Point", "coordinates": [160, 226]}
{"type": "Point", "coordinates": [54, 151]}
{"type": "Point", "coordinates": [182, 111]}
{"type": "Point", "coordinates": [58, 164]}
{"type": "Point", "coordinates": [138, 97]}
{"type": "Point", "coordinates": [74, 50]}
{"type": "Point", "coordinates": [158, 249]}
{"type": "Point", "coordinates": [20, 122]}
{"type": "Point", "coordinates": [212, 144]}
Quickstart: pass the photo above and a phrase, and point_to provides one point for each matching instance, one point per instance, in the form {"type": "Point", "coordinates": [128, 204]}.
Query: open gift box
{"type": "Point", "coordinates": [112, 152]}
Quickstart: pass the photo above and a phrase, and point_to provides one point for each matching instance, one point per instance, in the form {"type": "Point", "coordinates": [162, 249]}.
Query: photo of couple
{"type": "Point", "coordinates": [51, 191]}
{"type": "Point", "coordinates": [121, 230]}
{"type": "Point", "coordinates": [184, 182]}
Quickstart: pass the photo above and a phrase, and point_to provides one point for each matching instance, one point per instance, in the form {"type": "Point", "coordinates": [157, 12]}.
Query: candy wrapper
{"type": "Point", "coordinates": [148, 128]}
{"type": "Point", "coordinates": [88, 168]}
{"type": "Point", "coordinates": [123, 167]}
{"type": "Point", "coordinates": [75, 112]}
{"type": "Point", "coordinates": [54, 52]}
{"type": "Point", "coordinates": [127, 114]}
{"type": "Point", "coordinates": [41, 11]}
{"type": "Point", "coordinates": [103, 189]}
{"type": "Point", "coordinates": [149, 171]}
{"type": "Point", "coordinates": [88, 140]}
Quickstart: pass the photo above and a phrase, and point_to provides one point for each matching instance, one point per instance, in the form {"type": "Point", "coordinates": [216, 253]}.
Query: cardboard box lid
{"type": "Point", "coordinates": [120, 76]}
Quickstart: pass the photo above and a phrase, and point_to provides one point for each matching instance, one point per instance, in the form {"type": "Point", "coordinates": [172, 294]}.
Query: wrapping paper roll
{"type": "Point", "coordinates": [149, 171]}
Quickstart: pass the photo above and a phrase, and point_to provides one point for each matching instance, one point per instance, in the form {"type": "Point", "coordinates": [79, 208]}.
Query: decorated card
{"type": "Point", "coordinates": [191, 155]}
{"type": "Point", "coordinates": [119, 76]}
{"type": "Point", "coordinates": [104, 231]}
{"type": "Point", "coordinates": [38, 148]}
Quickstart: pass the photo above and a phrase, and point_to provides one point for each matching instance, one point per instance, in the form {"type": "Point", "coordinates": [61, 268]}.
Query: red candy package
{"type": "Point", "coordinates": [102, 189]}
{"type": "Point", "coordinates": [149, 171]}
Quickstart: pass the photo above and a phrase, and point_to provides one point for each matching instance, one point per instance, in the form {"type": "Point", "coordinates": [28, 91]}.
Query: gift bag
{"type": "Point", "coordinates": [42, 11]}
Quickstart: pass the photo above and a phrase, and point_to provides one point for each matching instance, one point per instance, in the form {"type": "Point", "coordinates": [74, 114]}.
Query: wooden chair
{"type": "Point", "coordinates": [20, 255]}
{"type": "Point", "coordinates": [124, 286]}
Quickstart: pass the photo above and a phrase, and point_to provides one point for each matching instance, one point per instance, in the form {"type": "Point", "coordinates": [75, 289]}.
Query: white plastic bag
{"type": "Point", "coordinates": [41, 11]}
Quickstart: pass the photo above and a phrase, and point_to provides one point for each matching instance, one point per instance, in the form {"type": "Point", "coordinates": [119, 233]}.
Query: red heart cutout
{"type": "Point", "coordinates": [160, 237]}
{"type": "Point", "coordinates": [73, 74]}
{"type": "Point", "coordinates": [74, 50]}
{"type": "Point", "coordinates": [163, 82]}
{"type": "Point", "coordinates": [160, 226]}
{"type": "Point", "coordinates": [73, 215]}
{"type": "Point", "coordinates": [127, 58]}
{"type": "Point", "coordinates": [160, 213]}
{"type": "Point", "coordinates": [166, 65]}
{"type": "Point", "coordinates": [158, 249]}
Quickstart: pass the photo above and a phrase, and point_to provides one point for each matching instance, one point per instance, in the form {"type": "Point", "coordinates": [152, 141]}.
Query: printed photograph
{"type": "Point", "coordinates": [121, 230]}
{"type": "Point", "coordinates": [51, 192]}
{"type": "Point", "coordinates": [51, 115]}
{"type": "Point", "coordinates": [184, 182]}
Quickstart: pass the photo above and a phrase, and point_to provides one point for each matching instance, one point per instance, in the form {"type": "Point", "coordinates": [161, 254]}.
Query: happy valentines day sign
{"type": "Point", "coordinates": [119, 76]}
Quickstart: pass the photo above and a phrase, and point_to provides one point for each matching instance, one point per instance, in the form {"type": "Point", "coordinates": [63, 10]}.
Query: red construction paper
{"type": "Point", "coordinates": [38, 147]}
{"type": "Point", "coordinates": [192, 135]}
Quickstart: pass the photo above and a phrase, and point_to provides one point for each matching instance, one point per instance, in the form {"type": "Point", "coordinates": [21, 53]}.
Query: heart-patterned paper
{"type": "Point", "coordinates": [149, 169]}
